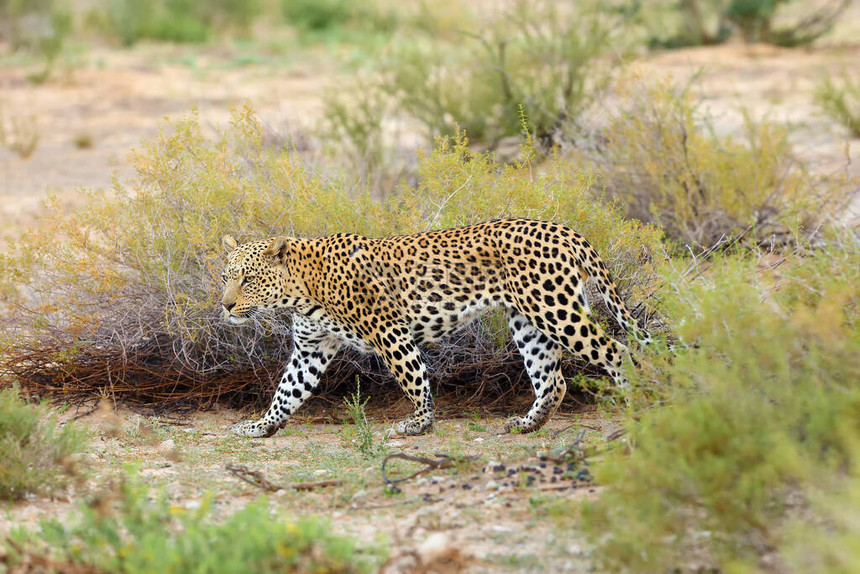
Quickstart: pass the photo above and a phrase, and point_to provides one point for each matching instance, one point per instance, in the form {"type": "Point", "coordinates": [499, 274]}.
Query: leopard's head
{"type": "Point", "coordinates": [253, 277]}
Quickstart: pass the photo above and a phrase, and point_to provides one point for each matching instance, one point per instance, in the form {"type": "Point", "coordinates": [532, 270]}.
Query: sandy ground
{"type": "Point", "coordinates": [117, 99]}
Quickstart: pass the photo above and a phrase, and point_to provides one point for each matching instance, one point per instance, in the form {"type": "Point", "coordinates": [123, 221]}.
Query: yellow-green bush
{"type": "Point", "coordinates": [661, 158]}
{"type": "Point", "coordinates": [36, 455]}
{"type": "Point", "coordinates": [762, 416]}
{"type": "Point", "coordinates": [127, 289]}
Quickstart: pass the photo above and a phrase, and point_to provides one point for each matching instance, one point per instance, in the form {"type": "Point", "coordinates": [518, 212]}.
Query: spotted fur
{"type": "Point", "coordinates": [390, 295]}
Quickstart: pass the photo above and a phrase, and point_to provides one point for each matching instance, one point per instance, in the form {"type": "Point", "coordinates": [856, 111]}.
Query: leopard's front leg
{"type": "Point", "coordinates": [313, 351]}
{"type": "Point", "coordinates": [397, 348]}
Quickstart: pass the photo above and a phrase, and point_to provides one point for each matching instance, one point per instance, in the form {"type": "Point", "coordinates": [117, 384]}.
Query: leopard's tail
{"type": "Point", "coordinates": [592, 267]}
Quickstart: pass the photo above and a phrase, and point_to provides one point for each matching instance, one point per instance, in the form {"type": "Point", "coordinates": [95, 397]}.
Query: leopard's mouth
{"type": "Point", "coordinates": [233, 319]}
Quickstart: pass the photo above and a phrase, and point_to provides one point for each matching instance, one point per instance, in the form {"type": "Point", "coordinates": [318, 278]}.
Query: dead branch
{"type": "Point", "coordinates": [440, 462]}
{"type": "Point", "coordinates": [256, 478]}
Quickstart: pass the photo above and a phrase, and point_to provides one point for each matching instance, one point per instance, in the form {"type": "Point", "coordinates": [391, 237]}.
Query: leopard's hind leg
{"type": "Point", "coordinates": [542, 358]}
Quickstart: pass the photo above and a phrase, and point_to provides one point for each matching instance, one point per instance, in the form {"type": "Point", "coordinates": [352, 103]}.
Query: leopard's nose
{"type": "Point", "coordinates": [228, 306]}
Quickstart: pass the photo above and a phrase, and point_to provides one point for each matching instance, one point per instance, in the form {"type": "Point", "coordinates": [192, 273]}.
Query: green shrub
{"type": "Point", "coordinates": [841, 101]}
{"type": "Point", "coordinates": [20, 133]}
{"type": "Point", "coordinates": [130, 19]}
{"type": "Point", "coordinates": [12, 13]}
{"type": "Point", "coordinates": [698, 22]}
{"type": "Point", "coordinates": [38, 26]}
{"type": "Point", "coordinates": [135, 535]}
{"type": "Point", "coordinates": [762, 415]}
{"type": "Point", "coordinates": [535, 59]}
{"type": "Point", "coordinates": [317, 15]}
{"type": "Point", "coordinates": [663, 161]}
{"type": "Point", "coordinates": [831, 542]}
{"type": "Point", "coordinates": [36, 454]}
{"type": "Point", "coordinates": [166, 20]}
{"type": "Point", "coordinates": [180, 21]}
{"type": "Point", "coordinates": [130, 293]}
{"type": "Point", "coordinates": [341, 20]}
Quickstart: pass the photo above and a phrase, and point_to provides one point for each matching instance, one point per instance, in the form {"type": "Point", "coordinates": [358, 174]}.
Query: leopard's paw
{"type": "Point", "coordinates": [413, 426]}
{"type": "Point", "coordinates": [254, 429]}
{"type": "Point", "coordinates": [516, 425]}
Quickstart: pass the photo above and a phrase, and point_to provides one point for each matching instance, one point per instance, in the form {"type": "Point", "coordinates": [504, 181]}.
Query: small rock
{"type": "Point", "coordinates": [434, 547]}
{"type": "Point", "coordinates": [168, 450]}
{"type": "Point", "coordinates": [479, 439]}
{"type": "Point", "coordinates": [82, 458]}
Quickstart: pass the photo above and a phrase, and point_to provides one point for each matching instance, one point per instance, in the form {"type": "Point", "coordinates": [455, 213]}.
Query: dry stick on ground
{"type": "Point", "coordinates": [441, 461]}
{"type": "Point", "coordinates": [256, 478]}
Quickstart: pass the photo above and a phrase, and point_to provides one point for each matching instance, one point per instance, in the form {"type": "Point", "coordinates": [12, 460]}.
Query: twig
{"type": "Point", "coordinates": [256, 478]}
{"type": "Point", "coordinates": [566, 486]}
{"type": "Point", "coordinates": [441, 461]}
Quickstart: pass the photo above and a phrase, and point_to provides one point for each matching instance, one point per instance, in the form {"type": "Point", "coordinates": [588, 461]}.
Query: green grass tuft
{"type": "Point", "coordinates": [134, 534]}
{"type": "Point", "coordinates": [36, 454]}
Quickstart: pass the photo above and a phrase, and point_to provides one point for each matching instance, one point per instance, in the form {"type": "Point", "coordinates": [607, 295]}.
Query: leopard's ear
{"type": "Point", "coordinates": [277, 250]}
{"type": "Point", "coordinates": [229, 242]}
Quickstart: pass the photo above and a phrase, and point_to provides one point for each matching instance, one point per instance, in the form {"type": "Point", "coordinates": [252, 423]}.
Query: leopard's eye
{"type": "Point", "coordinates": [245, 280]}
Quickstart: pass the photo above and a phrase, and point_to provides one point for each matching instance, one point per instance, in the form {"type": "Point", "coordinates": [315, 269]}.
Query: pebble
{"type": "Point", "coordinates": [434, 547]}
{"type": "Point", "coordinates": [167, 446]}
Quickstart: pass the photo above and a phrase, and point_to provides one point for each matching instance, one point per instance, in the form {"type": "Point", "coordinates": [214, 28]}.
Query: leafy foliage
{"type": "Point", "coordinates": [763, 411]}
{"type": "Point", "coordinates": [37, 455]}
{"type": "Point", "coordinates": [132, 534]}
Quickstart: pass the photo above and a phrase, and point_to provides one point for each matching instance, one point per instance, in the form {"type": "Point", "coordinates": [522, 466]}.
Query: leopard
{"type": "Point", "coordinates": [393, 295]}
